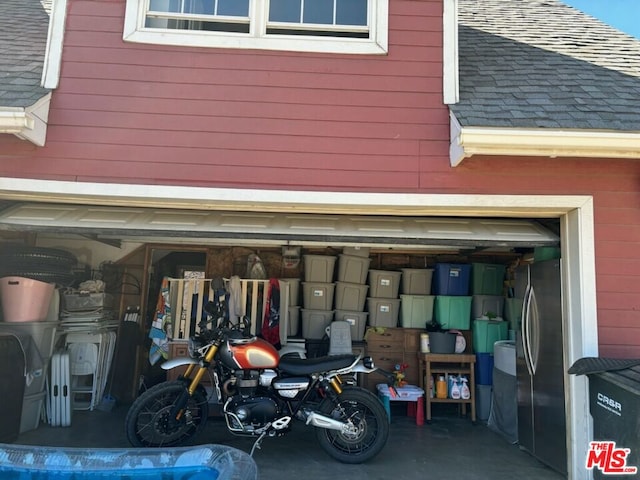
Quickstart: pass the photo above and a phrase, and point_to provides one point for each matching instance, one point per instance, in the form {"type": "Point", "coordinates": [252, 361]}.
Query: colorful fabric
{"type": "Point", "coordinates": [160, 331]}
{"type": "Point", "coordinates": [271, 324]}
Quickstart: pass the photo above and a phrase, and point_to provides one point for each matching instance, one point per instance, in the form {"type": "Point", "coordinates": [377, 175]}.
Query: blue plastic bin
{"type": "Point", "coordinates": [484, 368]}
{"type": "Point", "coordinates": [451, 279]}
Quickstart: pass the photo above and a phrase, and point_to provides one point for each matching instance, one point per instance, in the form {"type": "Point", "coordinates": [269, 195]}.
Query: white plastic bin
{"type": "Point", "coordinates": [319, 268]}
{"type": "Point", "coordinates": [384, 283]}
{"type": "Point", "coordinates": [350, 296]}
{"type": "Point", "coordinates": [318, 296]}
{"type": "Point", "coordinates": [416, 281]}
{"type": "Point", "coordinates": [315, 323]}
{"type": "Point", "coordinates": [353, 269]}
{"type": "Point", "coordinates": [416, 310]}
{"type": "Point", "coordinates": [383, 312]}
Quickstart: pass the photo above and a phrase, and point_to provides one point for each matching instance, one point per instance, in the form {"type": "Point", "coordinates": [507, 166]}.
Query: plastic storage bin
{"type": "Point", "coordinates": [350, 296]}
{"type": "Point", "coordinates": [416, 281]}
{"type": "Point", "coordinates": [384, 283]}
{"type": "Point", "coordinates": [78, 302]}
{"type": "Point", "coordinates": [25, 299]}
{"type": "Point", "coordinates": [383, 312]}
{"type": "Point", "coordinates": [353, 269]}
{"type": "Point", "coordinates": [487, 278]}
{"type": "Point", "coordinates": [319, 268]}
{"type": "Point", "coordinates": [484, 368]}
{"type": "Point", "coordinates": [31, 411]}
{"type": "Point", "coordinates": [453, 312]}
{"type": "Point", "coordinates": [357, 320]}
{"type": "Point", "coordinates": [513, 312]}
{"type": "Point", "coordinates": [451, 279]}
{"type": "Point", "coordinates": [416, 310]}
{"type": "Point", "coordinates": [356, 251]}
{"type": "Point", "coordinates": [487, 332]}
{"type": "Point", "coordinates": [318, 296]}
{"type": "Point", "coordinates": [294, 321]}
{"type": "Point", "coordinates": [442, 342]}
{"type": "Point", "coordinates": [483, 402]}
{"type": "Point", "coordinates": [487, 305]}
{"type": "Point", "coordinates": [315, 323]}
{"type": "Point", "coordinates": [504, 356]}
{"type": "Point", "coordinates": [541, 254]}
{"type": "Point", "coordinates": [294, 290]}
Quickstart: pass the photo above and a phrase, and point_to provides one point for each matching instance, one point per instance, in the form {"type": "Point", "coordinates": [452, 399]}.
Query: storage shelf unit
{"type": "Point", "coordinates": [452, 364]}
{"type": "Point", "coordinates": [391, 347]}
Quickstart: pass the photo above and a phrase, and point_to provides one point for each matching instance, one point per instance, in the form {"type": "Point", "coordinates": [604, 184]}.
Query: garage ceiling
{"type": "Point", "coordinates": [215, 227]}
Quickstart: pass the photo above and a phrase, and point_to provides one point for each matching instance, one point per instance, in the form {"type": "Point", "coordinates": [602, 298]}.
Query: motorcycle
{"type": "Point", "coordinates": [261, 393]}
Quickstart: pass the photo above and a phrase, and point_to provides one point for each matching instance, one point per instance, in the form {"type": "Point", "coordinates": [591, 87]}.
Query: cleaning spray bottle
{"type": "Point", "coordinates": [464, 390]}
{"type": "Point", "coordinates": [455, 389]}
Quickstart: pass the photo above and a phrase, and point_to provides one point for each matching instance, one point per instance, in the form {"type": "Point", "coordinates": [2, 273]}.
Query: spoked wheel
{"type": "Point", "coordinates": [368, 419]}
{"type": "Point", "coordinates": [150, 422]}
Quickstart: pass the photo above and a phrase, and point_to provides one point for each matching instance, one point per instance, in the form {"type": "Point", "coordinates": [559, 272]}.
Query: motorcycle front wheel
{"type": "Point", "coordinates": [150, 422]}
{"type": "Point", "coordinates": [364, 411]}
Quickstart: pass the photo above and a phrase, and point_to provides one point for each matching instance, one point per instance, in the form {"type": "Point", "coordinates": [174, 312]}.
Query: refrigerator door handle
{"type": "Point", "coordinates": [533, 332]}
{"type": "Point", "coordinates": [526, 313]}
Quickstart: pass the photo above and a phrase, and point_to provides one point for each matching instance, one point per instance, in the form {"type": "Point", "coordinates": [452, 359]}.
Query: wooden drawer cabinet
{"type": "Point", "coordinates": [390, 347]}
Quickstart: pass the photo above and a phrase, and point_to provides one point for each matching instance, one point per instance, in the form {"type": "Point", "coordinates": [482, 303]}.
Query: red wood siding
{"type": "Point", "coordinates": [133, 113]}
{"type": "Point", "coordinates": [198, 116]}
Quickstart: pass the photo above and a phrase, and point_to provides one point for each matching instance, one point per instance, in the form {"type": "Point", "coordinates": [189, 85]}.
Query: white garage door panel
{"type": "Point", "coordinates": [137, 222]}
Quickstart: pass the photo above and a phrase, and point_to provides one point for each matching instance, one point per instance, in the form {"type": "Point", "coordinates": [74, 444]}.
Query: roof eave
{"type": "Point", "coordinates": [28, 123]}
{"type": "Point", "coordinates": [540, 142]}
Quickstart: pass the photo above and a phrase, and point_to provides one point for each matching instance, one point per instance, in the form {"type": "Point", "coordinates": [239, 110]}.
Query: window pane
{"type": "Point", "coordinates": [284, 11]}
{"type": "Point", "coordinates": [165, 5]}
{"type": "Point", "coordinates": [198, 6]}
{"type": "Point", "coordinates": [318, 11]}
{"type": "Point", "coordinates": [351, 12]}
{"type": "Point", "coordinates": [237, 8]}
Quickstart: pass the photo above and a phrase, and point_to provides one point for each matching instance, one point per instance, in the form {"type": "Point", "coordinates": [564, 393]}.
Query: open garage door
{"type": "Point", "coordinates": [205, 226]}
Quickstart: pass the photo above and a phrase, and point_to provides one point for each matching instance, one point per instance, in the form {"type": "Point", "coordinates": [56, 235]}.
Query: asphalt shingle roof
{"type": "Point", "coordinates": [23, 39]}
{"type": "Point", "coordinates": [541, 63]}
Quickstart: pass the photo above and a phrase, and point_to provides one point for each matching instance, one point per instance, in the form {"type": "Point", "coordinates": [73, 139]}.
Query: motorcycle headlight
{"type": "Point", "coordinates": [368, 362]}
{"type": "Point", "coordinates": [192, 346]}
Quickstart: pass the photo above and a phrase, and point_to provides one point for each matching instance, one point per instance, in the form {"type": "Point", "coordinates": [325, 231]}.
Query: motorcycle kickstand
{"type": "Point", "coordinates": [258, 443]}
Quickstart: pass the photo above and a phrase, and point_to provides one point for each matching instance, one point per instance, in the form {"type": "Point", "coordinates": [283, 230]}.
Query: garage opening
{"type": "Point", "coordinates": [177, 250]}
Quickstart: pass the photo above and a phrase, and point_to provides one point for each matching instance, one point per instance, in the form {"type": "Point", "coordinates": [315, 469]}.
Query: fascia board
{"type": "Point", "coordinates": [469, 141]}
{"type": "Point", "coordinates": [55, 40]}
{"type": "Point", "coordinates": [14, 120]}
{"type": "Point", "coordinates": [27, 123]}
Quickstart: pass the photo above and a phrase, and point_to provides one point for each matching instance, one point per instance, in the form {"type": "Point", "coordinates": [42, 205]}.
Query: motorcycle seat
{"type": "Point", "coordinates": [307, 366]}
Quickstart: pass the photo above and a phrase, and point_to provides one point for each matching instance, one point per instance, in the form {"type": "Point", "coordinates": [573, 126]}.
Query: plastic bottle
{"type": "Point", "coordinates": [424, 343]}
{"type": "Point", "coordinates": [464, 390]}
{"type": "Point", "coordinates": [431, 387]}
{"type": "Point", "coordinates": [441, 387]}
{"type": "Point", "coordinates": [455, 389]}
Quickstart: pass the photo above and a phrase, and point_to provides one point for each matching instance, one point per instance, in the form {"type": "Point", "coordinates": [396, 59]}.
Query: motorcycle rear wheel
{"type": "Point", "coordinates": [149, 422]}
{"type": "Point", "coordinates": [367, 414]}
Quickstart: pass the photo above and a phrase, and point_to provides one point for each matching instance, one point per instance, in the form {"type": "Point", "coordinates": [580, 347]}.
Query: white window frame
{"type": "Point", "coordinates": [257, 38]}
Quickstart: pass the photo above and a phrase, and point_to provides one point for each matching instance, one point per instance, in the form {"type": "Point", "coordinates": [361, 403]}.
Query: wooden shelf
{"type": "Point", "coordinates": [437, 363]}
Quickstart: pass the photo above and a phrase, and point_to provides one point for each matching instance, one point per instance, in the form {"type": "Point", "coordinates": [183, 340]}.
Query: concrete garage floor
{"type": "Point", "coordinates": [448, 448]}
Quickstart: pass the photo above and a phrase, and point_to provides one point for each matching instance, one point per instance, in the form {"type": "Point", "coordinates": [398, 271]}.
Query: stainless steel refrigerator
{"type": "Point", "coordinates": [539, 364]}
